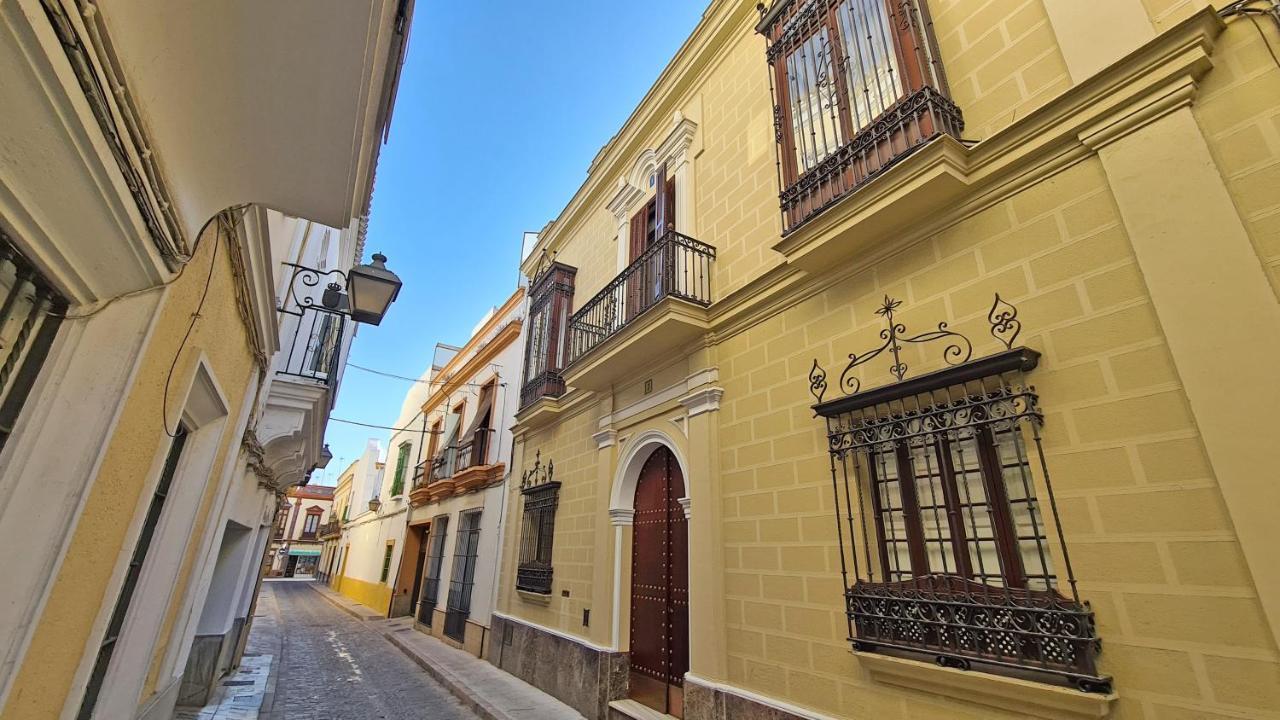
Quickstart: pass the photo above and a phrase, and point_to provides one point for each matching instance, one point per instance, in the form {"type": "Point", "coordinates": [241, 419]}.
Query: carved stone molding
{"type": "Point", "coordinates": [702, 400]}
{"type": "Point", "coordinates": [605, 438]}
{"type": "Point", "coordinates": [621, 516]}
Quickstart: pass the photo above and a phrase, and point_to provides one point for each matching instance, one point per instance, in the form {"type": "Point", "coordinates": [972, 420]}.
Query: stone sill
{"type": "Point", "coordinates": [535, 598]}
{"type": "Point", "coordinates": [1013, 694]}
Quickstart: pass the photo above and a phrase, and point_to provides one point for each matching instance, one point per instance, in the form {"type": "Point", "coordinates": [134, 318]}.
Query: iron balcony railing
{"type": "Point", "coordinates": [675, 266]}
{"type": "Point", "coordinates": [330, 528]}
{"type": "Point", "coordinates": [316, 346]}
{"type": "Point", "coordinates": [545, 384]}
{"type": "Point", "coordinates": [453, 459]}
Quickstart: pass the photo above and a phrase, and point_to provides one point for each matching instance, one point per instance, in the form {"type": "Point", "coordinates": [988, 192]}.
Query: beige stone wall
{"type": "Point", "coordinates": [1238, 114]}
{"type": "Point", "coordinates": [1149, 533]}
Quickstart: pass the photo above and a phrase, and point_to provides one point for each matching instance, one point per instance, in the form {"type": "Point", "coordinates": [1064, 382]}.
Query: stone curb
{"type": "Point", "coordinates": [454, 685]}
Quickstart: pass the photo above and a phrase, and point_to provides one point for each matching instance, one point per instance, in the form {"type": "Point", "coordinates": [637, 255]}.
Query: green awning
{"type": "Point", "coordinates": [304, 551]}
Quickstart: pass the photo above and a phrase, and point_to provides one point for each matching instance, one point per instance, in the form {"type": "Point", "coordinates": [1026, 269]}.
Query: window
{"type": "Point", "coordinates": [312, 523]}
{"type": "Point", "coordinates": [465, 552]}
{"type": "Point", "coordinates": [942, 492]}
{"type": "Point", "coordinates": [402, 462]}
{"type": "Point", "coordinates": [134, 571]}
{"type": "Point", "coordinates": [475, 444]}
{"type": "Point", "coordinates": [536, 533]}
{"type": "Point", "coordinates": [551, 298]}
{"type": "Point", "coordinates": [386, 562]}
{"type": "Point", "coordinates": [29, 319]}
{"type": "Point", "coordinates": [431, 582]}
{"type": "Point", "coordinates": [857, 86]}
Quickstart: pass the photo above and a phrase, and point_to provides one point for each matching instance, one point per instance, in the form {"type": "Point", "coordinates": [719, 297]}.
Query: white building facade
{"type": "Point", "coordinates": [449, 573]}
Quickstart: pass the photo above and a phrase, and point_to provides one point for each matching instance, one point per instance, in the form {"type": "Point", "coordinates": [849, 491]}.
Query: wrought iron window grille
{"type": "Point", "coordinates": [939, 482]}
{"type": "Point", "coordinates": [858, 86]}
{"type": "Point", "coordinates": [541, 497]}
{"type": "Point", "coordinates": [550, 301]}
{"type": "Point", "coordinates": [315, 349]}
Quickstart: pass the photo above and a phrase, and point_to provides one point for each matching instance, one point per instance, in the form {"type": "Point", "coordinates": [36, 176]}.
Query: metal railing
{"type": "Point", "coordinates": [330, 528]}
{"type": "Point", "coordinates": [675, 266]}
{"type": "Point", "coordinates": [316, 346]}
{"type": "Point", "coordinates": [475, 451]}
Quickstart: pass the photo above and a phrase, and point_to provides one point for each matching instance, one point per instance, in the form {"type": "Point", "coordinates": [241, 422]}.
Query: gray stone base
{"type": "Point", "coordinates": [202, 672]}
{"type": "Point", "coordinates": [702, 702]}
{"type": "Point", "coordinates": [580, 676]}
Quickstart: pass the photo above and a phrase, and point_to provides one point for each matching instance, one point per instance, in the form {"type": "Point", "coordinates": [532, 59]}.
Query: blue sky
{"type": "Point", "coordinates": [502, 106]}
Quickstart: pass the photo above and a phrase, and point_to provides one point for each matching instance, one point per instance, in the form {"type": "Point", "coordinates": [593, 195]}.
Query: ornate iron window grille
{"type": "Point", "coordinates": [551, 297]}
{"type": "Point", "coordinates": [435, 559]}
{"type": "Point", "coordinates": [675, 266]}
{"type": "Point", "coordinates": [541, 497]}
{"type": "Point", "coordinates": [857, 87]}
{"type": "Point", "coordinates": [944, 550]}
{"type": "Point", "coordinates": [31, 311]}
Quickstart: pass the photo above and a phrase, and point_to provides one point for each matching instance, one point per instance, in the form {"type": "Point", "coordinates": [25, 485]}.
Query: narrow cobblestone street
{"type": "Point", "coordinates": [333, 667]}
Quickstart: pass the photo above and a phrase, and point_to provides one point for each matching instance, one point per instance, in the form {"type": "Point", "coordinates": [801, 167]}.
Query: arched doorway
{"type": "Point", "coordinates": [659, 586]}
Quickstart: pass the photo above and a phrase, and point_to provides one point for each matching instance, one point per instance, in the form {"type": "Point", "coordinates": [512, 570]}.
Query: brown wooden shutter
{"type": "Point", "coordinates": [663, 203]}
{"type": "Point", "coordinates": [636, 239]}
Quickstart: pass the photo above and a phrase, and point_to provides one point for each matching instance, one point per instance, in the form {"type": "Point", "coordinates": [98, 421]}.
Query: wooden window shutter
{"type": "Point", "coordinates": [664, 200]}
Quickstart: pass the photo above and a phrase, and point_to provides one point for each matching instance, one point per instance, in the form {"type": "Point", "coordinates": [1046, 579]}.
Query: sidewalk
{"type": "Point", "coordinates": [491, 693]}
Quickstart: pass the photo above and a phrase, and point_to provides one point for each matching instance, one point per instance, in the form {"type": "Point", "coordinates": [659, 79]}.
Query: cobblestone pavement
{"type": "Point", "coordinates": [334, 667]}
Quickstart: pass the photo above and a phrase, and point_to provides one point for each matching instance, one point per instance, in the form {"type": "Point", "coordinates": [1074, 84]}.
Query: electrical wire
{"type": "Point", "coordinates": [386, 427]}
{"type": "Point", "coordinates": [181, 268]}
{"type": "Point", "coordinates": [195, 316]}
{"type": "Point", "coordinates": [1244, 8]}
{"type": "Point", "coordinates": [420, 381]}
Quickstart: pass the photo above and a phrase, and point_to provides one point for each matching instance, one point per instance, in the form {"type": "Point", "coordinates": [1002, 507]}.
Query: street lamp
{"type": "Point", "coordinates": [372, 288]}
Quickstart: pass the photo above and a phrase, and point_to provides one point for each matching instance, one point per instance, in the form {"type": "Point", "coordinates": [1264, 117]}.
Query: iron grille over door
{"type": "Point", "coordinates": [464, 574]}
{"type": "Point", "coordinates": [431, 583]}
{"type": "Point", "coordinates": [30, 313]}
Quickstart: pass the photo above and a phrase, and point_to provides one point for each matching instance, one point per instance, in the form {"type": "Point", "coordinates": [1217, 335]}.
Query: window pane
{"type": "Point", "coordinates": [933, 507]}
{"type": "Point", "coordinates": [1025, 509]}
{"type": "Point", "coordinates": [984, 556]}
{"type": "Point", "coordinates": [815, 113]}
{"type": "Point", "coordinates": [871, 68]}
{"type": "Point", "coordinates": [893, 524]}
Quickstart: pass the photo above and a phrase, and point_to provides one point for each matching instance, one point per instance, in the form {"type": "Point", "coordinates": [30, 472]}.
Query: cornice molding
{"type": "Point", "coordinates": [703, 400]}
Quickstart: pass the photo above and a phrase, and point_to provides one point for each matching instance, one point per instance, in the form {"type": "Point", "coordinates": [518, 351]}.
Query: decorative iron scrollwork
{"type": "Point", "coordinates": [1004, 322]}
{"type": "Point", "coordinates": [1005, 327]}
{"type": "Point", "coordinates": [306, 277]}
{"type": "Point", "coordinates": [539, 474]}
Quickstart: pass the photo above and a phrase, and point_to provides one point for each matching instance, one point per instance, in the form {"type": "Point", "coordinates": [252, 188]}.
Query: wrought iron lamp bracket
{"type": "Point", "coordinates": [1002, 317]}
{"type": "Point", "coordinates": [308, 277]}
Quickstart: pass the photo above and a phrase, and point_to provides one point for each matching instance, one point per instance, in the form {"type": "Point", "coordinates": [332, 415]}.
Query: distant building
{"type": "Point", "coordinates": [295, 542]}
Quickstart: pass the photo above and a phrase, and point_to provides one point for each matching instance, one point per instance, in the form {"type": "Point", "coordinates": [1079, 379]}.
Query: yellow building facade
{"type": "Point", "coordinates": [1054, 244]}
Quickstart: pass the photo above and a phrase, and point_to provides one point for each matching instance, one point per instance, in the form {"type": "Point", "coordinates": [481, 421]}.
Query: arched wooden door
{"type": "Point", "coordinates": [659, 587]}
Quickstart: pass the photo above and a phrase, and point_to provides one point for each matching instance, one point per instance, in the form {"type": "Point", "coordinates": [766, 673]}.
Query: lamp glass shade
{"type": "Point", "coordinates": [325, 456]}
{"type": "Point", "coordinates": [372, 288]}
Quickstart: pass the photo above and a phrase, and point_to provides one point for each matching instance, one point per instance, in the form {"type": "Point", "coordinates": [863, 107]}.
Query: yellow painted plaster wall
{"type": "Point", "coordinates": [1238, 113]}
{"type": "Point", "coordinates": [370, 594]}
{"type": "Point", "coordinates": [1149, 534]}
{"type": "Point", "coordinates": [121, 492]}
{"type": "Point", "coordinates": [575, 553]}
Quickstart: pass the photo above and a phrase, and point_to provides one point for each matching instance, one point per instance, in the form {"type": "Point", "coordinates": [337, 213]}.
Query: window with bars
{"type": "Point", "coordinates": [942, 494]}
{"type": "Point", "coordinates": [31, 312]}
{"type": "Point", "coordinates": [386, 562]}
{"type": "Point", "coordinates": [465, 553]}
{"type": "Point", "coordinates": [857, 86]}
{"type": "Point", "coordinates": [124, 600]}
{"type": "Point", "coordinates": [537, 530]}
{"type": "Point", "coordinates": [431, 581]}
{"type": "Point", "coordinates": [550, 302]}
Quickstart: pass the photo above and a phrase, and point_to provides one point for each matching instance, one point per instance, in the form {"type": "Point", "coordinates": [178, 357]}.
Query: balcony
{"type": "Point", "coordinates": [330, 529]}
{"type": "Point", "coordinates": [658, 302]}
{"type": "Point", "coordinates": [457, 469]}
{"type": "Point", "coordinates": [315, 349]}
